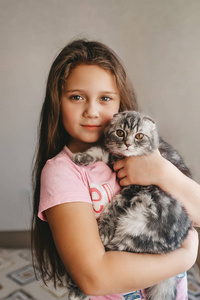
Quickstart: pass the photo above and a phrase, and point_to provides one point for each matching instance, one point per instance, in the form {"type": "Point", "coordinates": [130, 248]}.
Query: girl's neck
{"type": "Point", "coordinates": [79, 147]}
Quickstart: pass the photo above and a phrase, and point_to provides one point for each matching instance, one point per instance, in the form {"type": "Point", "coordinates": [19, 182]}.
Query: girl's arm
{"type": "Point", "coordinates": [97, 272]}
{"type": "Point", "coordinates": [154, 169]}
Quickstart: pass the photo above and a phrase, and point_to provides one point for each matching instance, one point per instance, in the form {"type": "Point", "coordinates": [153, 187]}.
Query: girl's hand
{"type": "Point", "coordinates": [141, 170]}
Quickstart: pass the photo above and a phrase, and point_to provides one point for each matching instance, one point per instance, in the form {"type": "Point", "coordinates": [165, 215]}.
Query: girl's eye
{"type": "Point", "coordinates": [76, 97]}
{"type": "Point", "coordinates": [139, 136]}
{"type": "Point", "coordinates": [120, 133]}
{"type": "Point", "coordinates": [106, 99]}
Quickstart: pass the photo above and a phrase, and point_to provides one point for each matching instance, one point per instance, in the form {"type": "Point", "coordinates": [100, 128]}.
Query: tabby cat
{"type": "Point", "coordinates": [142, 219]}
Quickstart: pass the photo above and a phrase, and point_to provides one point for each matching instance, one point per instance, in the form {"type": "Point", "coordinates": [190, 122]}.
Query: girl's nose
{"type": "Point", "coordinates": [91, 111]}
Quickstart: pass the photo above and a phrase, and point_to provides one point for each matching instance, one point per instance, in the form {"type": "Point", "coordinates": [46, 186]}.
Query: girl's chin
{"type": "Point", "coordinates": [91, 140]}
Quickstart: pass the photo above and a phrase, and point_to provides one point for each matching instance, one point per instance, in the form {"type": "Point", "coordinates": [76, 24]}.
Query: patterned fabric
{"type": "Point", "coordinates": [194, 283]}
{"type": "Point", "coordinates": [134, 295]}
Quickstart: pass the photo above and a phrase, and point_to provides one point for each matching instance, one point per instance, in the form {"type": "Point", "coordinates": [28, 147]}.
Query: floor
{"type": "Point", "coordinates": [17, 279]}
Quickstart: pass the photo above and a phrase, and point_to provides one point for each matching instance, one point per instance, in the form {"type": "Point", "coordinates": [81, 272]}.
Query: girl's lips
{"type": "Point", "coordinates": [91, 127]}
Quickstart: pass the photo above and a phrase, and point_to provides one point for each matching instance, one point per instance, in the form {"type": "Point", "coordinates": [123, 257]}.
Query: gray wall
{"type": "Point", "coordinates": [159, 42]}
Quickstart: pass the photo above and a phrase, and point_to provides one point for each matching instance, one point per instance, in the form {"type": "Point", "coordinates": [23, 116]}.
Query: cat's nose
{"type": "Point", "coordinates": [128, 144]}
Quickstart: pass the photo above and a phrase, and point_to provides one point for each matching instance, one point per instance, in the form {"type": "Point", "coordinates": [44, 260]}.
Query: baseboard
{"type": "Point", "coordinates": [15, 239]}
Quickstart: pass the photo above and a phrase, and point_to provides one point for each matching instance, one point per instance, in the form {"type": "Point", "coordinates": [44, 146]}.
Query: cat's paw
{"type": "Point", "coordinates": [75, 295]}
{"type": "Point", "coordinates": [105, 236]}
{"type": "Point", "coordinates": [73, 292]}
{"type": "Point", "coordinates": [82, 159]}
{"type": "Point", "coordinates": [105, 239]}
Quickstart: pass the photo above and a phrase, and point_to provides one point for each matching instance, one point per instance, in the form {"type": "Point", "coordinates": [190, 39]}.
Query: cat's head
{"type": "Point", "coordinates": [131, 133]}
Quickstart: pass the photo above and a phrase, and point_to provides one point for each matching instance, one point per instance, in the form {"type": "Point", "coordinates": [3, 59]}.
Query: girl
{"type": "Point", "coordinates": [87, 84]}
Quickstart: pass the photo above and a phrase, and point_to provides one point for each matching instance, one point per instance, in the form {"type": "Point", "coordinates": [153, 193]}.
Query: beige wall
{"type": "Point", "coordinates": [159, 42]}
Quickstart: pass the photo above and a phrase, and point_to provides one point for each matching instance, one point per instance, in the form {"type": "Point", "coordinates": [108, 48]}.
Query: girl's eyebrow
{"type": "Point", "coordinates": [74, 90]}
{"type": "Point", "coordinates": [83, 91]}
{"type": "Point", "coordinates": [109, 92]}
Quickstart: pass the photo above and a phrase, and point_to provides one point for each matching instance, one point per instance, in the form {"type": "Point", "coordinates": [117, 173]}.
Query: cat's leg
{"type": "Point", "coordinates": [165, 290]}
{"type": "Point", "coordinates": [90, 156]}
{"type": "Point", "coordinates": [108, 219]}
{"type": "Point", "coordinates": [73, 292]}
{"type": "Point", "coordinates": [106, 230]}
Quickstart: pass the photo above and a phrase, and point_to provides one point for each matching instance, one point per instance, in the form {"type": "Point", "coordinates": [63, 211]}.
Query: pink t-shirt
{"type": "Point", "coordinates": [63, 181]}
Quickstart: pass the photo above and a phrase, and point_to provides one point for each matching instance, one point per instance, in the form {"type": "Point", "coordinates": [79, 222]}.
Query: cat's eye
{"type": "Point", "coordinates": [120, 133]}
{"type": "Point", "coordinates": [139, 136]}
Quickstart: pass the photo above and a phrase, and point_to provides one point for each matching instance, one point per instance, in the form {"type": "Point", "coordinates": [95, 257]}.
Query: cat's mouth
{"type": "Point", "coordinates": [127, 151]}
{"type": "Point", "coordinates": [126, 148]}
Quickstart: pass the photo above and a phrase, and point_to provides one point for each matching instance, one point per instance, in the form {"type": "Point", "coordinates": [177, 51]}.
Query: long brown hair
{"type": "Point", "coordinates": [53, 137]}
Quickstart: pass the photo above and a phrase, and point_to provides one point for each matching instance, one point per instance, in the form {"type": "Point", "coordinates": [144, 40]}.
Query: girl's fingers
{"type": "Point", "coordinates": [124, 182]}
{"type": "Point", "coordinates": [118, 165]}
{"type": "Point", "coordinates": [121, 173]}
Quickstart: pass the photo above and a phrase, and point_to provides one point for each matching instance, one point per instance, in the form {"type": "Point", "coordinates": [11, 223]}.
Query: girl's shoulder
{"type": "Point", "coordinates": [61, 174]}
{"type": "Point", "coordinates": [63, 156]}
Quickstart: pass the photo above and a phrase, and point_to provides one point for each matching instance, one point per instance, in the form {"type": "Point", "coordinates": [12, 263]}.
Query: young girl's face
{"type": "Point", "coordinates": [89, 99]}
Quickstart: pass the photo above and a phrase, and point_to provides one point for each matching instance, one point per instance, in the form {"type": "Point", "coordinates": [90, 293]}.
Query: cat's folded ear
{"type": "Point", "coordinates": [122, 113]}
{"type": "Point", "coordinates": [117, 116]}
{"type": "Point", "coordinates": [150, 121]}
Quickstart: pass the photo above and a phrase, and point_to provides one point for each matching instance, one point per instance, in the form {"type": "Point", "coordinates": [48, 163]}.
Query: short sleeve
{"type": "Point", "coordinates": [61, 182]}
